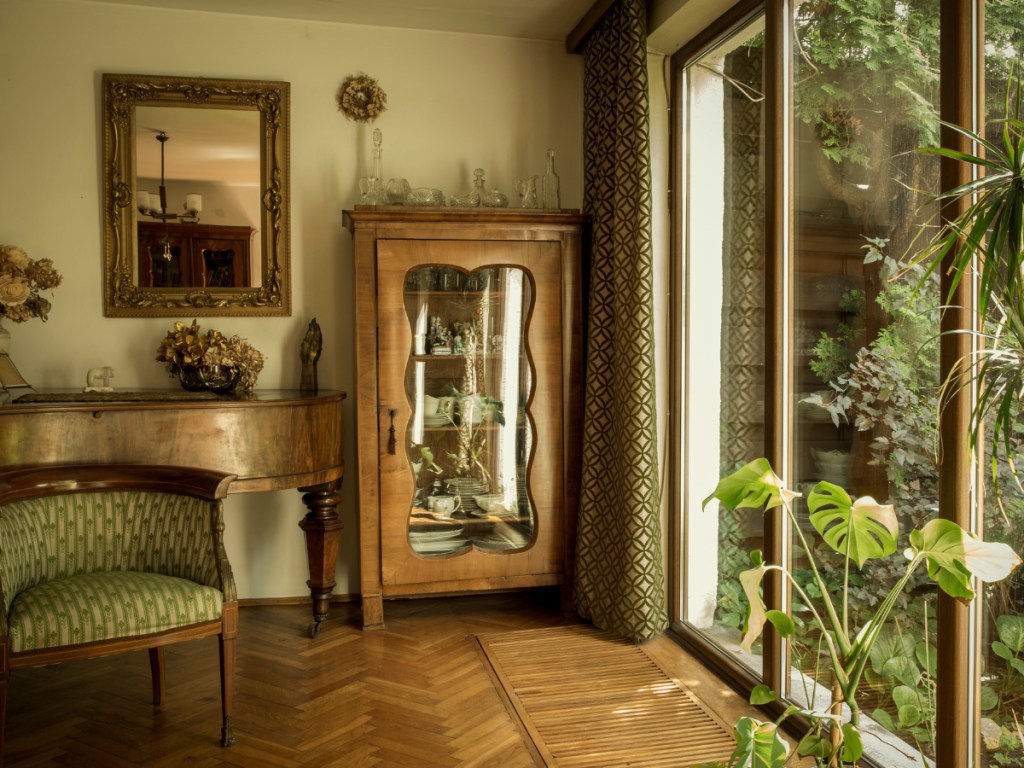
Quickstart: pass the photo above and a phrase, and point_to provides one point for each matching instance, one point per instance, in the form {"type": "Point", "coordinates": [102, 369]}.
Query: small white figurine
{"type": "Point", "coordinates": [104, 374]}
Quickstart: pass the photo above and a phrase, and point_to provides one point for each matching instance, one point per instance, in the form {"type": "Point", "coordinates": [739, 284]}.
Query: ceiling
{"type": "Point", "coordinates": [216, 145]}
{"type": "Point", "coordinates": [532, 19]}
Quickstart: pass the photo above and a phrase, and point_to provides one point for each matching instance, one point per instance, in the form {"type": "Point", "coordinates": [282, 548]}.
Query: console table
{"type": "Point", "coordinates": [271, 439]}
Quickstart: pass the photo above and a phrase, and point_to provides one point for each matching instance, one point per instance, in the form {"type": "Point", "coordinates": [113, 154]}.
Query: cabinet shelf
{"type": "Point", "coordinates": [450, 428]}
{"type": "Point", "coordinates": [460, 358]}
{"type": "Point", "coordinates": [439, 294]}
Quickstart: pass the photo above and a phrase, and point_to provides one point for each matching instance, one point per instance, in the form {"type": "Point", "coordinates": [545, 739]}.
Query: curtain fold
{"type": "Point", "coordinates": [619, 579]}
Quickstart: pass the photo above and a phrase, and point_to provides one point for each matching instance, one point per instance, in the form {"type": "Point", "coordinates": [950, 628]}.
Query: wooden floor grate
{"type": "Point", "coordinates": [591, 699]}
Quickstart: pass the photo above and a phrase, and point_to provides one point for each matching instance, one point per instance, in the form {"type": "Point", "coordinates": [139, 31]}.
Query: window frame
{"type": "Point", "coordinates": [962, 96]}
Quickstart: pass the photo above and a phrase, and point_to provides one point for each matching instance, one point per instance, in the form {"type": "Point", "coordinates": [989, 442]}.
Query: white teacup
{"type": "Point", "coordinates": [492, 503]}
{"type": "Point", "coordinates": [429, 405]}
{"type": "Point", "coordinates": [446, 405]}
{"type": "Point", "coordinates": [443, 505]}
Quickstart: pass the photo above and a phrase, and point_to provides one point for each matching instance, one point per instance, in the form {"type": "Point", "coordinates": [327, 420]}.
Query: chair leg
{"type": "Point", "coordinates": [5, 672]}
{"type": "Point", "coordinates": [156, 666]}
{"type": "Point", "coordinates": [227, 637]}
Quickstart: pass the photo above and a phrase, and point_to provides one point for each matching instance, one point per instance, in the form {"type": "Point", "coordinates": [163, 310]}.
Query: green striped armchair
{"type": "Point", "coordinates": [98, 560]}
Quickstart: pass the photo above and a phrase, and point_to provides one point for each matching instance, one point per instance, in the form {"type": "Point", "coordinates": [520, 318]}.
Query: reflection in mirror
{"type": "Point", "coordinates": [207, 162]}
{"type": "Point", "coordinates": [197, 193]}
{"type": "Point", "coordinates": [196, 197]}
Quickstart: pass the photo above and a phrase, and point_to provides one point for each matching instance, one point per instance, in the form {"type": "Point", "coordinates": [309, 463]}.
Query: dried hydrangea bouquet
{"type": "Point", "coordinates": [21, 280]}
{"type": "Point", "coordinates": [209, 362]}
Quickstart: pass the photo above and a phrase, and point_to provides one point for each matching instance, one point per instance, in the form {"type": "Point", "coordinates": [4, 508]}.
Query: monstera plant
{"type": "Point", "coordinates": [859, 530]}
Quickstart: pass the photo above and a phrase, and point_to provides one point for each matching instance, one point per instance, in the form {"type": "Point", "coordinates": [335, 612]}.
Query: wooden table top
{"type": "Point", "coordinates": [250, 399]}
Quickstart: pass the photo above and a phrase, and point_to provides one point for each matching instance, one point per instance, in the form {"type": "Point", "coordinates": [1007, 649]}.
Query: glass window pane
{"type": "Point", "coordinates": [1002, 646]}
{"type": "Point", "coordinates": [864, 362]}
{"type": "Point", "coordinates": [725, 352]}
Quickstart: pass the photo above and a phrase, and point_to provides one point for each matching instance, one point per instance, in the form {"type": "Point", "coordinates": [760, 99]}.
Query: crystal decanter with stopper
{"type": "Point", "coordinates": [550, 184]}
{"type": "Point", "coordinates": [475, 196]}
{"type": "Point", "coordinates": [373, 189]}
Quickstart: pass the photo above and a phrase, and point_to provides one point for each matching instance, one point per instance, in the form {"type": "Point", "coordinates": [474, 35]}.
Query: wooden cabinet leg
{"type": "Point", "coordinates": [321, 526]}
{"type": "Point", "coordinates": [228, 638]}
{"type": "Point", "coordinates": [156, 666]}
{"type": "Point", "coordinates": [373, 612]}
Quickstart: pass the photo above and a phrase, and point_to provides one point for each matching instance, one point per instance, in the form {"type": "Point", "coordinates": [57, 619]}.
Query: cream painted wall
{"type": "Point", "coordinates": [456, 102]}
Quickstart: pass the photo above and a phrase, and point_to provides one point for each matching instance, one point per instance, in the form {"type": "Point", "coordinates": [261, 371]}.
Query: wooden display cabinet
{"type": "Point", "coordinates": [488, 420]}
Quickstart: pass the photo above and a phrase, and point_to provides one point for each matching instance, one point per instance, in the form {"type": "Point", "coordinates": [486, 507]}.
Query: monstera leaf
{"type": "Point", "coordinates": [753, 485]}
{"type": "Point", "coordinates": [954, 555]}
{"type": "Point", "coordinates": [870, 527]}
{"type": "Point", "coordinates": [757, 614]}
{"type": "Point", "coordinates": [758, 745]}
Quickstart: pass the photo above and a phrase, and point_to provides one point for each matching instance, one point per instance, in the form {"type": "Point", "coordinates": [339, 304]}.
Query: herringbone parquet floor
{"type": "Point", "coordinates": [413, 695]}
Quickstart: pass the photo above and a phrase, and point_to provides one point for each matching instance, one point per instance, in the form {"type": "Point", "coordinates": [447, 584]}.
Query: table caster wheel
{"type": "Point", "coordinates": [314, 629]}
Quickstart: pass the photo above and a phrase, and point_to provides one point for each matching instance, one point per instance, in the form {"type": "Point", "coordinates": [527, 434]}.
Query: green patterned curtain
{"type": "Point", "coordinates": [619, 582]}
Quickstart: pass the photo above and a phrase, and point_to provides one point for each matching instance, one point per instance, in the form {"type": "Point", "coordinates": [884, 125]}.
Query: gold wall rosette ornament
{"type": "Point", "coordinates": [360, 98]}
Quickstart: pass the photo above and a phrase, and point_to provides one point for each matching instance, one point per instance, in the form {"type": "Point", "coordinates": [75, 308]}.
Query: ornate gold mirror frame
{"type": "Point", "coordinates": [122, 295]}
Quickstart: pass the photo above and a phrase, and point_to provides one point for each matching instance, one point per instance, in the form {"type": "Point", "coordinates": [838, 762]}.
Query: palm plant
{"type": "Point", "coordinates": [989, 233]}
{"type": "Point", "coordinates": [859, 530]}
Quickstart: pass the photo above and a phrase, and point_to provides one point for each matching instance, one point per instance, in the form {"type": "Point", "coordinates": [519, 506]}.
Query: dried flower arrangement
{"type": "Point", "coordinates": [361, 99]}
{"type": "Point", "coordinates": [187, 353]}
{"type": "Point", "coordinates": [21, 280]}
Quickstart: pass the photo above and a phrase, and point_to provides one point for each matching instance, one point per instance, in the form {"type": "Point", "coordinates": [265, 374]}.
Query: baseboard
{"type": "Point", "coordinates": [301, 600]}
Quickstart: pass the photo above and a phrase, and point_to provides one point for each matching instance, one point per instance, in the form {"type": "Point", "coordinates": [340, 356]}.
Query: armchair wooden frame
{"type": "Point", "coordinates": [24, 484]}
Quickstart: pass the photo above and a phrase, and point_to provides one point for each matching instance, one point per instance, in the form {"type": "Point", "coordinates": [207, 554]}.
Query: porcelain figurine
{"type": "Point", "coordinates": [104, 374]}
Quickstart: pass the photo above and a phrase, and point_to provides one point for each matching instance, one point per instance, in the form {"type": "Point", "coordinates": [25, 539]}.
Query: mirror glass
{"type": "Point", "coordinates": [210, 160]}
{"type": "Point", "coordinates": [196, 197]}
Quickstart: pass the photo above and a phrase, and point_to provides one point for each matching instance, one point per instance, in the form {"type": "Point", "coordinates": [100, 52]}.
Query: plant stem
{"type": "Point", "coordinates": [862, 648]}
{"type": "Point", "coordinates": [841, 636]}
{"type": "Point", "coordinates": [846, 577]}
{"type": "Point", "coordinates": [817, 618]}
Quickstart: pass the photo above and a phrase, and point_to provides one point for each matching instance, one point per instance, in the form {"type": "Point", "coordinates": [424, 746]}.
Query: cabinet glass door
{"type": "Point", "coordinates": [470, 397]}
{"type": "Point", "coordinates": [469, 382]}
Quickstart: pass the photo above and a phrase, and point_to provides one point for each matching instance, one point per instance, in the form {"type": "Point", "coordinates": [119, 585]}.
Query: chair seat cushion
{"type": "Point", "coordinates": [105, 606]}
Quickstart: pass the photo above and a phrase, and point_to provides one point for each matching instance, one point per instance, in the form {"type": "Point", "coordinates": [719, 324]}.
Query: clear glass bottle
{"type": "Point", "coordinates": [550, 184]}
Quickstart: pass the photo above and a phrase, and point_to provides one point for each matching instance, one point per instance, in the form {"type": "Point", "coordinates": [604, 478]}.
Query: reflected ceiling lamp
{"type": "Point", "coordinates": [156, 206]}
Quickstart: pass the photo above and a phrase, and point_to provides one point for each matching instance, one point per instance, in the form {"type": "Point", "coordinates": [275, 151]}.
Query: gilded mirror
{"type": "Point", "coordinates": [195, 197]}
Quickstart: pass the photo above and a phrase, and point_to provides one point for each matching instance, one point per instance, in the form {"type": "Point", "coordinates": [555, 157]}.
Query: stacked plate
{"type": "Point", "coordinates": [435, 420]}
{"type": "Point", "coordinates": [437, 542]}
{"type": "Point", "coordinates": [507, 539]}
{"type": "Point", "coordinates": [466, 488]}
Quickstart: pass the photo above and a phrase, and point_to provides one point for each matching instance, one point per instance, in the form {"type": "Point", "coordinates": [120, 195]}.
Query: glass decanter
{"type": "Point", "coordinates": [550, 184]}
{"type": "Point", "coordinates": [474, 197]}
{"type": "Point", "coordinates": [372, 187]}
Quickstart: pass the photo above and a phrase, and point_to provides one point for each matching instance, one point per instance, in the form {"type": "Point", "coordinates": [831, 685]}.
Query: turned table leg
{"type": "Point", "coordinates": [321, 526]}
